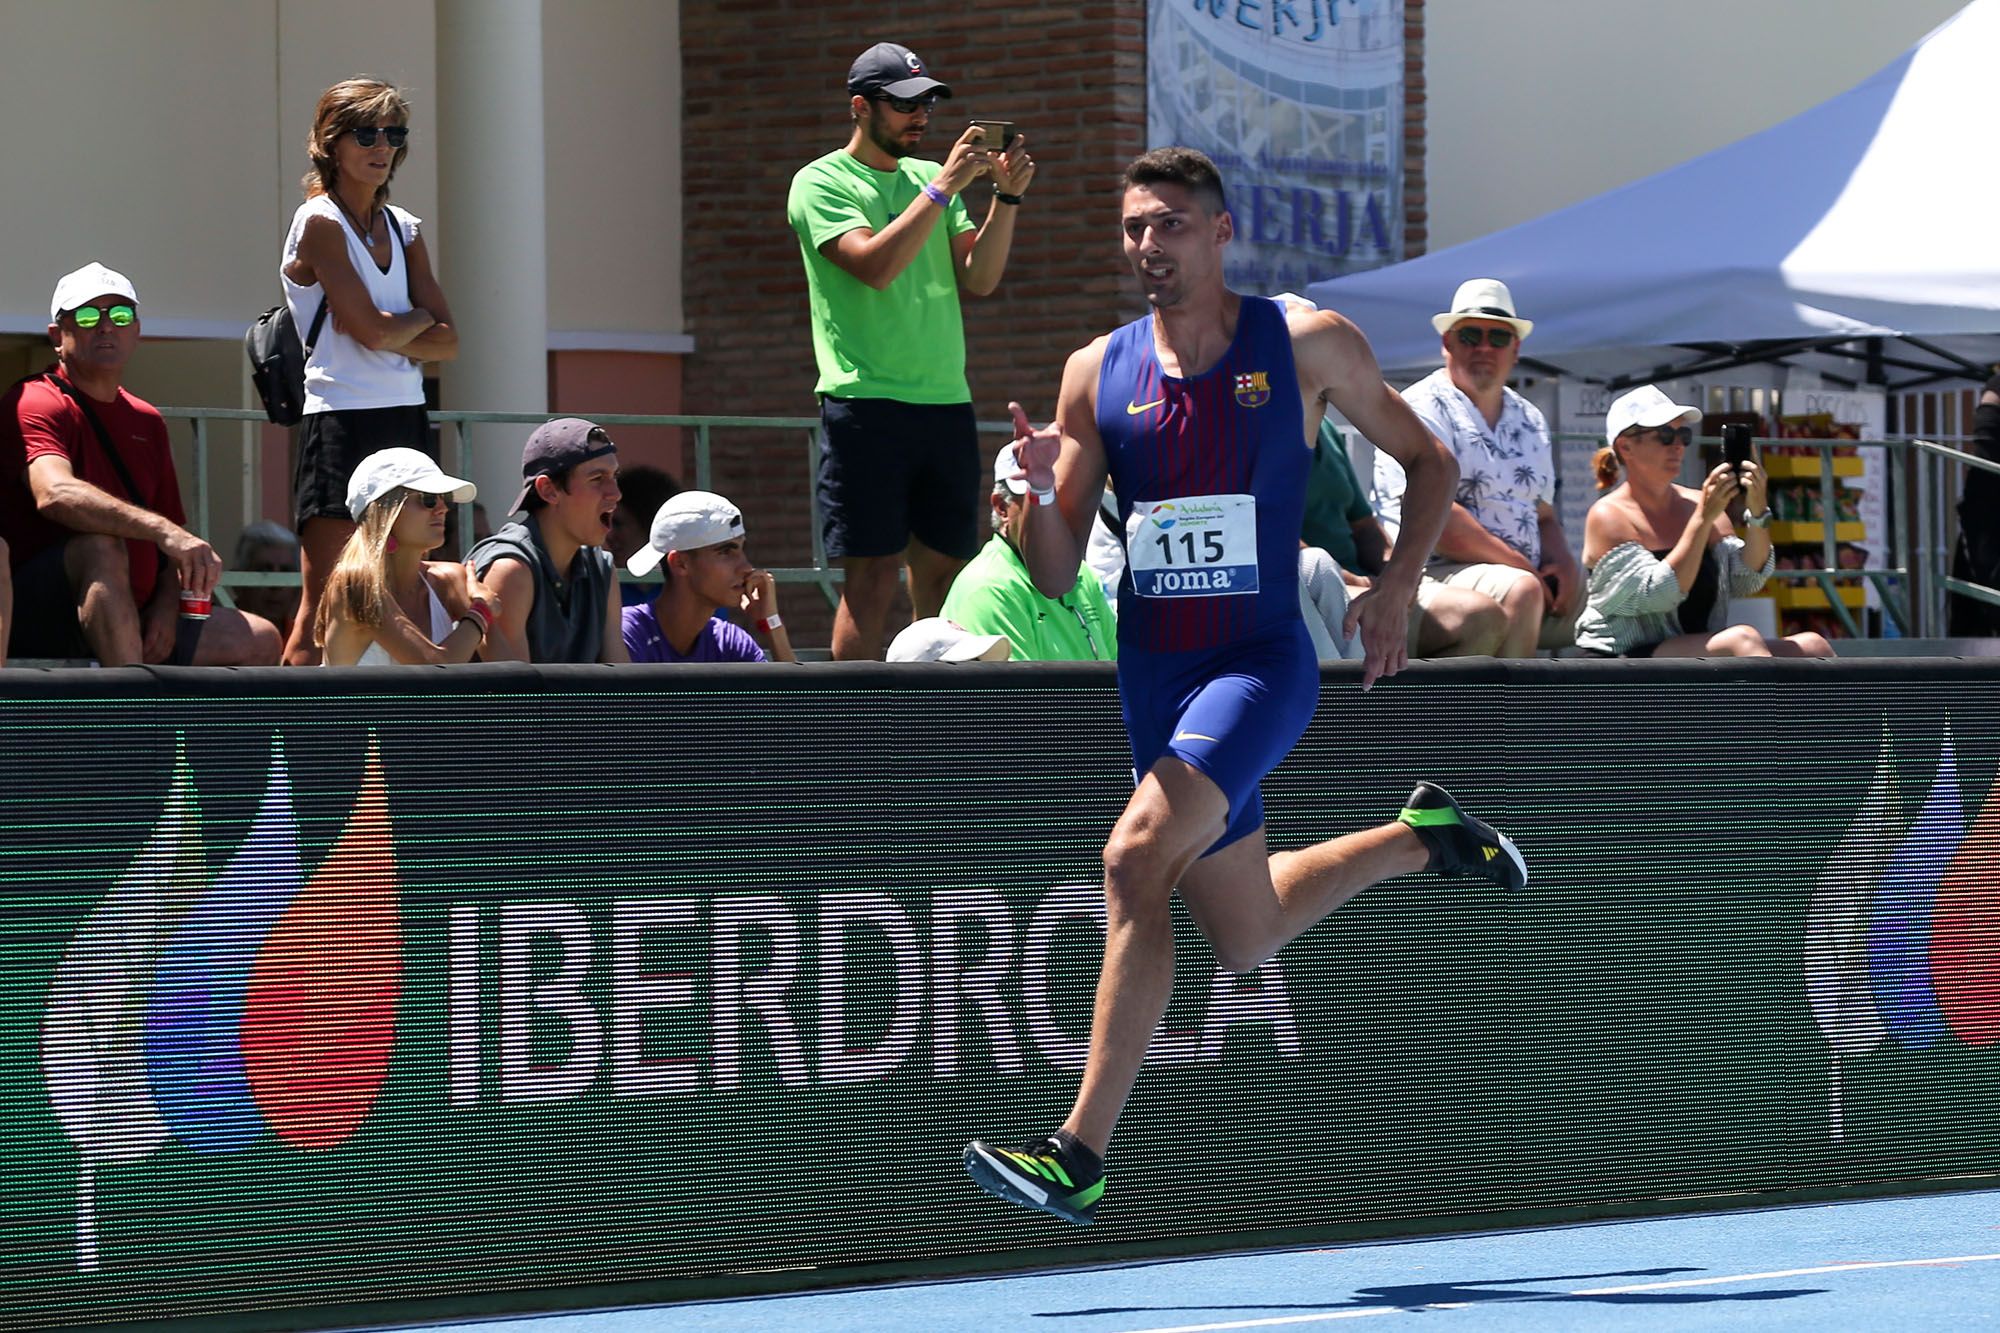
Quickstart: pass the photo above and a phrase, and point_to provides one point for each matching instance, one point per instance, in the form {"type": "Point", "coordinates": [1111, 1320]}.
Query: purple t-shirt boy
{"type": "Point", "coordinates": [720, 641]}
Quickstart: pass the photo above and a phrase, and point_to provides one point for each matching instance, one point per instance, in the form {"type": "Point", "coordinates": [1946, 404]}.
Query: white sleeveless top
{"type": "Point", "coordinates": [341, 374]}
{"type": "Point", "coordinates": [441, 624]}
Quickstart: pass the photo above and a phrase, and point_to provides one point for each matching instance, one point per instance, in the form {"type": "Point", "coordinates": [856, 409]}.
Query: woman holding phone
{"type": "Point", "coordinates": [1663, 561]}
{"type": "Point", "coordinates": [359, 268]}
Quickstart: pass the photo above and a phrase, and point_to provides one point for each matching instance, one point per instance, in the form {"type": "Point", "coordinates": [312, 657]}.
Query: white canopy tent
{"type": "Point", "coordinates": [1871, 214]}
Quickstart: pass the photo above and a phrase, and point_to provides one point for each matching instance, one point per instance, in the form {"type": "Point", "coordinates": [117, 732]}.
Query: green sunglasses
{"type": "Point", "coordinates": [87, 316]}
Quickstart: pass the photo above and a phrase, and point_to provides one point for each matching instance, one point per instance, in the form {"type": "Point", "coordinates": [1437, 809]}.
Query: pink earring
{"type": "Point", "coordinates": [392, 543]}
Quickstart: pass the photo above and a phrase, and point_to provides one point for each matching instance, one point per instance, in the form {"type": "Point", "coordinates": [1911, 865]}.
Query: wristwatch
{"type": "Point", "coordinates": [1762, 520]}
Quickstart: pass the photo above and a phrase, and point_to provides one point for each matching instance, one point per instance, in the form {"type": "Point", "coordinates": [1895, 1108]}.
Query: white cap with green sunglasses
{"type": "Point", "coordinates": [87, 284]}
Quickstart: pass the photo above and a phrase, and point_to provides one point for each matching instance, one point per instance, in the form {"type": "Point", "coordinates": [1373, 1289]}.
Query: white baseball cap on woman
{"type": "Point", "coordinates": [413, 469]}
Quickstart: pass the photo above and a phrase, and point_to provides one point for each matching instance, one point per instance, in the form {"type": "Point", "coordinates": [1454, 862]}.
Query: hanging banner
{"type": "Point", "coordinates": [1300, 103]}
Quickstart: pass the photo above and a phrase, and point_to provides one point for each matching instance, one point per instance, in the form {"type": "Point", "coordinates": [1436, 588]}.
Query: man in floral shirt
{"type": "Point", "coordinates": [1503, 537]}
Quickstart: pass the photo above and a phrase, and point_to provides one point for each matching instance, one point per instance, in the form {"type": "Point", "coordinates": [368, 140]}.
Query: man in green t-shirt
{"type": "Point", "coordinates": [888, 246]}
{"type": "Point", "coordinates": [995, 595]}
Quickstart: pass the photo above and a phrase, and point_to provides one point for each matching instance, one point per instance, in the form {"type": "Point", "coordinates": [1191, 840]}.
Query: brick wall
{"type": "Point", "coordinates": [766, 92]}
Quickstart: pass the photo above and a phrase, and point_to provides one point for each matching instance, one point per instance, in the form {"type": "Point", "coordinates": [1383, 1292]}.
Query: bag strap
{"type": "Point", "coordinates": [403, 247]}
{"type": "Point", "coordinates": [103, 436]}
{"type": "Point", "coordinates": [319, 322]}
{"type": "Point", "coordinates": [395, 229]}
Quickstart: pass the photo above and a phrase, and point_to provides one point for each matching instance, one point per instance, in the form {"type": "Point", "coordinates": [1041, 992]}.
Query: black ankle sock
{"type": "Point", "coordinates": [1078, 1152]}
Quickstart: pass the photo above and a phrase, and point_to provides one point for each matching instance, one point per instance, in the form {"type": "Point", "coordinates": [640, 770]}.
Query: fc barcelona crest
{"type": "Point", "coordinates": [1253, 388]}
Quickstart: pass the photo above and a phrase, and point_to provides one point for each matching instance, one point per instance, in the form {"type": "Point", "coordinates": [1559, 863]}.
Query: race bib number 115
{"type": "Point", "coordinates": [1196, 546]}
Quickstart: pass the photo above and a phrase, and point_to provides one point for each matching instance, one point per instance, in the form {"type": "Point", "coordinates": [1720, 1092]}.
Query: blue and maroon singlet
{"type": "Point", "coordinates": [1214, 662]}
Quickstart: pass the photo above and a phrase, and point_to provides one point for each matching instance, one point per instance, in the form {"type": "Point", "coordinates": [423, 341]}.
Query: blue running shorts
{"type": "Point", "coordinates": [1233, 713]}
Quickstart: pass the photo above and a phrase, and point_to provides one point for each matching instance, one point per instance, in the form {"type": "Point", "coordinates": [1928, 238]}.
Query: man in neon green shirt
{"type": "Point", "coordinates": [995, 595]}
{"type": "Point", "coordinates": [888, 247]}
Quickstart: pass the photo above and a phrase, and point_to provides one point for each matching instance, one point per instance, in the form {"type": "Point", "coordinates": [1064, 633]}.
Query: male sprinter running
{"type": "Point", "coordinates": [1203, 413]}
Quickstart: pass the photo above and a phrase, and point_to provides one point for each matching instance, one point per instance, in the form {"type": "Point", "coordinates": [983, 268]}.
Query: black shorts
{"type": "Point", "coordinates": [889, 471]}
{"type": "Point", "coordinates": [331, 443]}
{"type": "Point", "coordinates": [45, 619]}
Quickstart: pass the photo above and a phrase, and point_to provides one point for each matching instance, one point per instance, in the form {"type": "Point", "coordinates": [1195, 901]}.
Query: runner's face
{"type": "Point", "coordinates": [1173, 244]}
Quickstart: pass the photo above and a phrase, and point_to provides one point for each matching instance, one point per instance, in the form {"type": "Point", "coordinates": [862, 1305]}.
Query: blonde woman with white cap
{"type": "Point", "coordinates": [384, 603]}
{"type": "Point", "coordinates": [1663, 560]}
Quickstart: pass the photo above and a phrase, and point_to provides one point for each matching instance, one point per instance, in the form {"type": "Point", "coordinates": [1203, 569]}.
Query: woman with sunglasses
{"type": "Point", "coordinates": [384, 603]}
{"type": "Point", "coordinates": [1663, 560]}
{"type": "Point", "coordinates": [359, 269]}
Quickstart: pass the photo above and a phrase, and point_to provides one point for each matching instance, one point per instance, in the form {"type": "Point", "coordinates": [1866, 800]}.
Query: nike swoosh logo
{"type": "Point", "coordinates": [1195, 736]}
{"type": "Point", "coordinates": [1134, 409]}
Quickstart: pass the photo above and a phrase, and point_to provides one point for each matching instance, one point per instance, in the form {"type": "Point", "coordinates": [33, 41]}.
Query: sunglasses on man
{"type": "Point", "coordinates": [89, 316]}
{"type": "Point", "coordinates": [904, 106]}
{"type": "Point", "coordinates": [1495, 338]}
{"type": "Point", "coordinates": [1666, 435]}
{"type": "Point", "coordinates": [397, 135]}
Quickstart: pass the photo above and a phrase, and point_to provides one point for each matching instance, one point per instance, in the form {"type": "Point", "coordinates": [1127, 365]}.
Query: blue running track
{"type": "Point", "coordinates": [1881, 1264]}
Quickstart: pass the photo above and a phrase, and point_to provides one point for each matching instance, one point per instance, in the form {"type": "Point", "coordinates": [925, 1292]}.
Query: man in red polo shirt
{"type": "Point", "coordinates": [89, 499]}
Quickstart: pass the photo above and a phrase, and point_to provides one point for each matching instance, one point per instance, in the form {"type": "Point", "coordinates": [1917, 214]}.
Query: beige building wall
{"type": "Point", "coordinates": [166, 139]}
{"type": "Point", "coordinates": [1537, 104]}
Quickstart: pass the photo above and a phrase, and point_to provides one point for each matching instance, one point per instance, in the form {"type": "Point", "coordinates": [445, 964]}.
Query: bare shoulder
{"type": "Point", "coordinates": [319, 229]}
{"type": "Point", "coordinates": [1329, 350]}
{"type": "Point", "coordinates": [448, 577]}
{"type": "Point", "coordinates": [510, 574]}
{"type": "Point", "coordinates": [1080, 373]}
{"type": "Point", "coordinates": [1312, 327]}
{"type": "Point", "coordinates": [1088, 359]}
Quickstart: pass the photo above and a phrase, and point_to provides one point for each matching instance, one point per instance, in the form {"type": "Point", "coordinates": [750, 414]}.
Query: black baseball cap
{"type": "Point", "coordinates": [556, 445]}
{"type": "Point", "coordinates": [888, 70]}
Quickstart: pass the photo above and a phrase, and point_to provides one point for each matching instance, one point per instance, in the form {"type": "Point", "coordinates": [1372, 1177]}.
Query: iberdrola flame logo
{"type": "Point", "coordinates": [216, 1013]}
{"type": "Point", "coordinates": [1902, 939]}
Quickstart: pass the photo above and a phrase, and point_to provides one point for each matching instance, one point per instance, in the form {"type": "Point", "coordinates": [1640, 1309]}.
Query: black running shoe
{"type": "Point", "coordinates": [1460, 845]}
{"type": "Point", "coordinates": [1049, 1173]}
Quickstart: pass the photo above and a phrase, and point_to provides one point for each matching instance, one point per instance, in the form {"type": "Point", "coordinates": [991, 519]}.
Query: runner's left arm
{"type": "Point", "coordinates": [1333, 356]}
{"type": "Point", "coordinates": [1068, 456]}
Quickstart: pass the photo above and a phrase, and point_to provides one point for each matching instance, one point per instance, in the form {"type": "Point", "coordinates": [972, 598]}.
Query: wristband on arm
{"type": "Point", "coordinates": [936, 196]}
{"type": "Point", "coordinates": [479, 613]}
{"type": "Point", "coordinates": [771, 622]}
{"type": "Point", "coordinates": [1047, 497]}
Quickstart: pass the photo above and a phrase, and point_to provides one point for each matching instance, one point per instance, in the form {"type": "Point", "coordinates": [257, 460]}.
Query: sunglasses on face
{"type": "Point", "coordinates": [1667, 435]}
{"type": "Point", "coordinates": [904, 106]}
{"type": "Point", "coordinates": [87, 316]}
{"type": "Point", "coordinates": [397, 135]}
{"type": "Point", "coordinates": [1468, 337]}
{"type": "Point", "coordinates": [425, 499]}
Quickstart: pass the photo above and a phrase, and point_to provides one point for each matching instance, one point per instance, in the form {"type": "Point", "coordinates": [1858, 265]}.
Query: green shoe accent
{"type": "Point", "coordinates": [1084, 1198]}
{"type": "Point", "coordinates": [1428, 818]}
